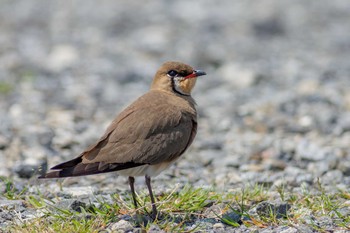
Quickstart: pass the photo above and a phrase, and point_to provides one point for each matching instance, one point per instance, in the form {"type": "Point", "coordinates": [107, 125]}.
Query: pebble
{"type": "Point", "coordinates": [304, 228]}
{"type": "Point", "coordinates": [219, 227]}
{"type": "Point", "coordinates": [155, 229]}
{"type": "Point", "coordinates": [332, 177]}
{"type": "Point", "coordinates": [121, 226]}
{"type": "Point", "coordinates": [309, 151]}
{"type": "Point", "coordinates": [237, 76]}
{"type": "Point", "coordinates": [344, 167]}
{"type": "Point", "coordinates": [284, 229]}
{"type": "Point", "coordinates": [61, 57]}
{"type": "Point", "coordinates": [3, 142]}
{"type": "Point", "coordinates": [27, 171]}
{"type": "Point", "coordinates": [267, 209]}
{"type": "Point", "coordinates": [11, 204]}
{"type": "Point", "coordinates": [232, 216]}
{"type": "Point", "coordinates": [79, 191]}
{"type": "Point", "coordinates": [71, 204]}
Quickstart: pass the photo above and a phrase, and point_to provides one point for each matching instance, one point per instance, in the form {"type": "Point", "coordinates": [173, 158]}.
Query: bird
{"type": "Point", "coordinates": [147, 136]}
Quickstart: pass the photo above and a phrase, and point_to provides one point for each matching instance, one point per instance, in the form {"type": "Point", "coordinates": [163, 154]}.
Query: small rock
{"type": "Point", "coordinates": [5, 218]}
{"type": "Point", "coordinates": [344, 167]}
{"type": "Point", "coordinates": [71, 204]}
{"type": "Point", "coordinates": [332, 177]}
{"type": "Point", "coordinates": [341, 231]}
{"type": "Point", "coordinates": [219, 227]}
{"type": "Point", "coordinates": [310, 152]}
{"type": "Point", "coordinates": [204, 225]}
{"type": "Point", "coordinates": [325, 222]}
{"type": "Point", "coordinates": [121, 226]}
{"type": "Point", "coordinates": [303, 178]}
{"type": "Point", "coordinates": [232, 216]}
{"type": "Point", "coordinates": [318, 168]}
{"type": "Point", "coordinates": [344, 211]}
{"type": "Point", "coordinates": [155, 229]}
{"type": "Point", "coordinates": [4, 172]}
{"type": "Point", "coordinates": [308, 86]}
{"type": "Point", "coordinates": [286, 229]}
{"type": "Point", "coordinates": [344, 123]}
{"type": "Point", "coordinates": [34, 154]}
{"type": "Point", "coordinates": [266, 209]}
{"type": "Point", "coordinates": [27, 171]}
{"type": "Point", "coordinates": [4, 142]}
{"type": "Point", "coordinates": [11, 204]}
{"type": "Point", "coordinates": [61, 57]}
{"type": "Point", "coordinates": [154, 39]}
{"type": "Point", "coordinates": [79, 191]}
{"type": "Point", "coordinates": [9, 209]}
{"type": "Point", "coordinates": [237, 76]}
{"type": "Point", "coordinates": [268, 28]}
{"type": "Point", "coordinates": [305, 121]}
{"type": "Point", "coordinates": [210, 144]}
{"type": "Point", "coordinates": [304, 228]}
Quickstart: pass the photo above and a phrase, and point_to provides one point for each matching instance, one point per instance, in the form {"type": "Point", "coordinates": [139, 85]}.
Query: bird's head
{"type": "Point", "coordinates": [176, 77]}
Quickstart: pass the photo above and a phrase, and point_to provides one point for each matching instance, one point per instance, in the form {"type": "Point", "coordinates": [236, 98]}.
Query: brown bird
{"type": "Point", "coordinates": [148, 136]}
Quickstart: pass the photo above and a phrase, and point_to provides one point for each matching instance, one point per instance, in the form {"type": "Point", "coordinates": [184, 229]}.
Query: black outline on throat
{"type": "Point", "coordinates": [174, 89]}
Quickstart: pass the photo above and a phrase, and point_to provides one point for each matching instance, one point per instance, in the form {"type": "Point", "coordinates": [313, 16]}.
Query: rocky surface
{"type": "Point", "coordinates": [274, 108]}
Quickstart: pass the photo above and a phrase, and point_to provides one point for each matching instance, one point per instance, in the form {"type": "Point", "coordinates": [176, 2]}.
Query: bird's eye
{"type": "Point", "coordinates": [172, 73]}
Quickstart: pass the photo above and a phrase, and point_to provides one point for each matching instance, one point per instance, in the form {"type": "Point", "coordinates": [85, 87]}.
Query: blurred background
{"type": "Point", "coordinates": [275, 105]}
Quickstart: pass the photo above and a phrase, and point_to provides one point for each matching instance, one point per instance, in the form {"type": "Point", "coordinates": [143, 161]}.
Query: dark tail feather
{"type": "Point", "coordinates": [68, 164]}
{"type": "Point", "coordinates": [66, 169]}
{"type": "Point", "coordinates": [76, 168]}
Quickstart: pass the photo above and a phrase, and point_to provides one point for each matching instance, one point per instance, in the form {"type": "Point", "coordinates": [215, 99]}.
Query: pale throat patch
{"type": "Point", "coordinates": [184, 86]}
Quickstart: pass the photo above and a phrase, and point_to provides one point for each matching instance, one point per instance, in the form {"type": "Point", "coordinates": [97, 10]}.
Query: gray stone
{"type": "Point", "coordinates": [332, 177]}
{"type": "Point", "coordinates": [29, 170]}
{"type": "Point", "coordinates": [286, 229]}
{"type": "Point", "coordinates": [8, 211]}
{"type": "Point", "coordinates": [71, 204]}
{"type": "Point", "coordinates": [11, 204]}
{"type": "Point", "coordinates": [267, 209]}
{"type": "Point", "coordinates": [344, 211]}
{"type": "Point", "coordinates": [80, 191]}
{"type": "Point", "coordinates": [4, 142]}
{"type": "Point", "coordinates": [233, 216]}
{"type": "Point", "coordinates": [61, 57]}
{"type": "Point", "coordinates": [310, 151]}
{"type": "Point", "coordinates": [325, 222]}
{"type": "Point", "coordinates": [155, 229]}
{"type": "Point", "coordinates": [344, 167]}
{"type": "Point", "coordinates": [219, 228]}
{"type": "Point", "coordinates": [304, 228]}
{"type": "Point", "coordinates": [6, 218]}
{"type": "Point", "coordinates": [121, 226]}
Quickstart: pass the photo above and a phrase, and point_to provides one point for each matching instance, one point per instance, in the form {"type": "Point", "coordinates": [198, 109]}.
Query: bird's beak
{"type": "Point", "coordinates": [195, 73]}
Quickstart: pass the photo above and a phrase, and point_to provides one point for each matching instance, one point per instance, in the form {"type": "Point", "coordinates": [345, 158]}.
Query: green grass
{"type": "Point", "coordinates": [181, 208]}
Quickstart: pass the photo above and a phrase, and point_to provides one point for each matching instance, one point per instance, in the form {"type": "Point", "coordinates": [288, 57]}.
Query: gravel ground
{"type": "Point", "coordinates": [274, 108]}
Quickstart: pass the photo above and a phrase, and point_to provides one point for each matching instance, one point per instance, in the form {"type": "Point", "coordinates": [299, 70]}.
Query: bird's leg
{"type": "Point", "coordinates": [131, 183]}
{"type": "Point", "coordinates": [154, 208]}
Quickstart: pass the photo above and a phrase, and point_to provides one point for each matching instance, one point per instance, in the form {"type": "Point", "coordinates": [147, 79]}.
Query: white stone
{"type": "Point", "coordinates": [61, 57]}
{"type": "Point", "coordinates": [237, 76]}
{"type": "Point", "coordinates": [82, 191]}
{"type": "Point", "coordinates": [121, 226]}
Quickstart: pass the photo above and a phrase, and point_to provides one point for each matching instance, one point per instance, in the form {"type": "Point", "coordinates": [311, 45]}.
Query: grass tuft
{"type": "Point", "coordinates": [182, 209]}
